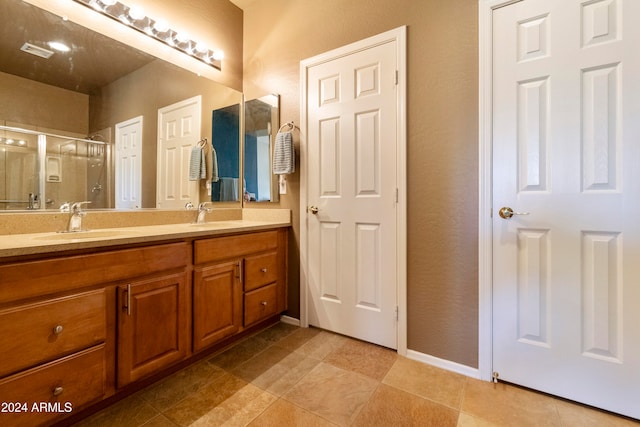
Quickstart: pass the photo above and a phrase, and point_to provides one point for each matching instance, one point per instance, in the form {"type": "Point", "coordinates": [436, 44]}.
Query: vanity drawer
{"type": "Point", "coordinates": [260, 270]}
{"type": "Point", "coordinates": [34, 333]}
{"type": "Point", "coordinates": [222, 248]}
{"type": "Point", "coordinates": [260, 304]}
{"type": "Point", "coordinates": [35, 279]}
{"type": "Point", "coordinates": [56, 388]}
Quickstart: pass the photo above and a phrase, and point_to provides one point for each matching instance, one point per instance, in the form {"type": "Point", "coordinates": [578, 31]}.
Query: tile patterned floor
{"type": "Point", "coordinates": [287, 376]}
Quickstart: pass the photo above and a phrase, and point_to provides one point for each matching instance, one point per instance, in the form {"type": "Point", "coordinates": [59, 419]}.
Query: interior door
{"type": "Point", "coordinates": [351, 111]}
{"type": "Point", "coordinates": [129, 163]}
{"type": "Point", "coordinates": [565, 156]}
{"type": "Point", "coordinates": [178, 131]}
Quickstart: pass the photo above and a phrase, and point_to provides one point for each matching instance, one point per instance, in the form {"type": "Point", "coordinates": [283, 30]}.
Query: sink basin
{"type": "Point", "coordinates": [91, 234]}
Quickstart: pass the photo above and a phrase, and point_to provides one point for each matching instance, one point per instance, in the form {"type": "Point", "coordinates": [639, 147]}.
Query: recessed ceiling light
{"type": "Point", "coordinates": [61, 47]}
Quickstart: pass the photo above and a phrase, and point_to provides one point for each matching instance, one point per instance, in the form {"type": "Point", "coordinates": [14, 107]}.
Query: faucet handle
{"type": "Point", "coordinates": [189, 206]}
{"type": "Point", "coordinates": [65, 207]}
{"type": "Point", "coordinates": [203, 207]}
{"type": "Point", "coordinates": [77, 206]}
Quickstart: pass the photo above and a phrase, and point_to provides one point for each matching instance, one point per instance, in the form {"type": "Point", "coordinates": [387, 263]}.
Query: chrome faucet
{"type": "Point", "coordinates": [75, 215]}
{"type": "Point", "coordinates": [202, 211]}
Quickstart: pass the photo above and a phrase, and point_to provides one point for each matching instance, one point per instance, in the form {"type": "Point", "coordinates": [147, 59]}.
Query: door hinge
{"type": "Point", "coordinates": [397, 195]}
{"type": "Point", "coordinates": [397, 313]}
{"type": "Point", "coordinates": [397, 77]}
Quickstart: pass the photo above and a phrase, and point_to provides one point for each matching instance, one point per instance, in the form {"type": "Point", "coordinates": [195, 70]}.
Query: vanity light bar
{"type": "Point", "coordinates": [135, 18]}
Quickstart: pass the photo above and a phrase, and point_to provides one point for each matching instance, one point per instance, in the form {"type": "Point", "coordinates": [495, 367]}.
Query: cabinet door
{"type": "Point", "coordinates": [217, 303]}
{"type": "Point", "coordinates": [152, 325]}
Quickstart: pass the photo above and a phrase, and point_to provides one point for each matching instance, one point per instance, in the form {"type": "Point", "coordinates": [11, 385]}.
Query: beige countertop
{"type": "Point", "coordinates": [14, 245]}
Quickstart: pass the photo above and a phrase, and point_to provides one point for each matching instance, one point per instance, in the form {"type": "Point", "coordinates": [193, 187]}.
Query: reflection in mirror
{"type": "Point", "coordinates": [225, 135]}
{"type": "Point", "coordinates": [87, 91]}
{"type": "Point", "coordinates": [18, 153]}
{"type": "Point", "coordinates": [262, 119]}
{"type": "Point", "coordinates": [39, 170]}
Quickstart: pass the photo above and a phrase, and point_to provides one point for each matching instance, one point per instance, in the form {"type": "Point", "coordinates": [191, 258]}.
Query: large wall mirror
{"type": "Point", "coordinates": [262, 119]}
{"type": "Point", "coordinates": [59, 116]}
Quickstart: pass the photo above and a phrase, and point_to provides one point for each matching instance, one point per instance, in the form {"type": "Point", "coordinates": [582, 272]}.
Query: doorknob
{"type": "Point", "coordinates": [313, 209]}
{"type": "Point", "coordinates": [507, 212]}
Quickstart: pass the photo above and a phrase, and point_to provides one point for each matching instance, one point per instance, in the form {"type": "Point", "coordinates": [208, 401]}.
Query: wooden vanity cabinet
{"type": "Point", "coordinates": [153, 331]}
{"type": "Point", "coordinates": [217, 302]}
{"type": "Point", "coordinates": [238, 281]}
{"type": "Point", "coordinates": [77, 329]}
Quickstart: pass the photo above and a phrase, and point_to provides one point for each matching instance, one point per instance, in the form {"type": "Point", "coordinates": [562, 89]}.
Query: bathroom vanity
{"type": "Point", "coordinates": [86, 318]}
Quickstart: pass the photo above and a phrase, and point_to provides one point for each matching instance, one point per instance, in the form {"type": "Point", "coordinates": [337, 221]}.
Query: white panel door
{"type": "Point", "coordinates": [178, 132]}
{"type": "Point", "coordinates": [566, 152]}
{"type": "Point", "coordinates": [129, 164]}
{"type": "Point", "coordinates": [352, 141]}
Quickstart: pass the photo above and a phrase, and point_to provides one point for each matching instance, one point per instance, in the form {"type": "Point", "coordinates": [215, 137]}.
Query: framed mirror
{"type": "Point", "coordinates": [225, 134]}
{"type": "Point", "coordinates": [261, 123]}
{"type": "Point", "coordinates": [83, 95]}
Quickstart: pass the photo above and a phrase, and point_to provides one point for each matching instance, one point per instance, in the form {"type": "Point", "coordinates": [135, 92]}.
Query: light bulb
{"type": "Point", "coordinates": [218, 55]}
{"type": "Point", "coordinates": [136, 13]}
{"type": "Point", "coordinates": [160, 26]}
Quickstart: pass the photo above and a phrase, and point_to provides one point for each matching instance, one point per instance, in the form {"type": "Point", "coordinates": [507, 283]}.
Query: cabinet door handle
{"type": "Point", "coordinates": [58, 391]}
{"type": "Point", "coordinates": [264, 270]}
{"type": "Point", "coordinates": [264, 303]}
{"type": "Point", "coordinates": [58, 330]}
{"type": "Point", "coordinates": [127, 300]}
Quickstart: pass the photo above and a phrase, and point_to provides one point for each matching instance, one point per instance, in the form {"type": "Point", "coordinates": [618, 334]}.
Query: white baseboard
{"type": "Point", "coordinates": [290, 320]}
{"type": "Point", "coordinates": [444, 364]}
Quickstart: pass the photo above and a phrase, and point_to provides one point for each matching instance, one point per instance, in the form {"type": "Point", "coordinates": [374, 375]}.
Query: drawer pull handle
{"type": "Point", "coordinates": [58, 391]}
{"type": "Point", "coordinates": [58, 330]}
{"type": "Point", "coordinates": [263, 303]}
{"type": "Point", "coordinates": [264, 270]}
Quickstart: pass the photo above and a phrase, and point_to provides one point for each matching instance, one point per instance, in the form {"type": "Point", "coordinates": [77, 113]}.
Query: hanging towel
{"type": "Point", "coordinates": [196, 163]}
{"type": "Point", "coordinates": [284, 155]}
{"type": "Point", "coordinates": [211, 160]}
{"type": "Point", "coordinates": [228, 189]}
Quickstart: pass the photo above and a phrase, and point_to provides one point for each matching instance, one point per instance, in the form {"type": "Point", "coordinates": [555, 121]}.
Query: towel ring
{"type": "Point", "coordinates": [291, 125]}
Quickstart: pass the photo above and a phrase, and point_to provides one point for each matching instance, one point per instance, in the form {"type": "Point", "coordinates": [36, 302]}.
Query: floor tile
{"type": "Point", "coordinates": [390, 406]}
{"type": "Point", "coordinates": [507, 405]}
{"type": "Point", "coordinates": [173, 389]}
{"type": "Point", "coordinates": [276, 369]}
{"type": "Point", "coordinates": [277, 332]}
{"type": "Point", "coordinates": [298, 338]}
{"type": "Point", "coordinates": [363, 358]}
{"type": "Point", "coordinates": [238, 410]}
{"type": "Point", "coordinates": [466, 420]}
{"type": "Point", "coordinates": [131, 411]}
{"type": "Point", "coordinates": [427, 381]}
{"type": "Point", "coordinates": [204, 400]}
{"type": "Point", "coordinates": [321, 345]}
{"type": "Point", "coordinates": [159, 421]}
{"type": "Point", "coordinates": [575, 415]}
{"type": "Point", "coordinates": [239, 353]}
{"type": "Point", "coordinates": [333, 393]}
{"type": "Point", "coordinates": [286, 414]}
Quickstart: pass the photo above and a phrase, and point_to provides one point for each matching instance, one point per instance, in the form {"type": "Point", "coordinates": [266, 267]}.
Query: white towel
{"type": "Point", "coordinates": [228, 189]}
{"type": "Point", "coordinates": [212, 164]}
{"type": "Point", "coordinates": [284, 155]}
{"type": "Point", "coordinates": [197, 164]}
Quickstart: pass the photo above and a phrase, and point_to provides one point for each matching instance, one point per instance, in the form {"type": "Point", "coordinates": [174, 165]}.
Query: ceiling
{"type": "Point", "coordinates": [93, 62]}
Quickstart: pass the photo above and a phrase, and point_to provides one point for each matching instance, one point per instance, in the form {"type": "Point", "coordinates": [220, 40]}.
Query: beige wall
{"type": "Point", "coordinates": [29, 104]}
{"type": "Point", "coordinates": [218, 23]}
{"type": "Point", "coordinates": [442, 142]}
